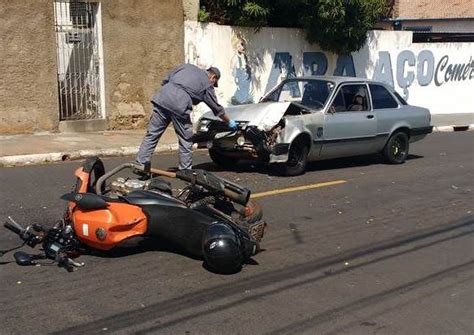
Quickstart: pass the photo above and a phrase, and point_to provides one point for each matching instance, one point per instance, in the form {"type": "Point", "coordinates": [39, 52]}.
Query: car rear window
{"type": "Point", "coordinates": [399, 97]}
{"type": "Point", "coordinates": [381, 97]}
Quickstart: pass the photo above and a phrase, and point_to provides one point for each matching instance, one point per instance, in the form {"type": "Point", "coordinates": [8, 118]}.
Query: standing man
{"type": "Point", "coordinates": [183, 87]}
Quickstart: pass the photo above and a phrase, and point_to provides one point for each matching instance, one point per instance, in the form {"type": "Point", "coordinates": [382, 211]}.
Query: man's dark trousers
{"type": "Point", "coordinates": [159, 121]}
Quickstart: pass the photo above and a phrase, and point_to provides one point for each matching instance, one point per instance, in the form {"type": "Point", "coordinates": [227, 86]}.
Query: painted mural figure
{"type": "Point", "coordinates": [282, 69]}
{"type": "Point", "coordinates": [241, 72]}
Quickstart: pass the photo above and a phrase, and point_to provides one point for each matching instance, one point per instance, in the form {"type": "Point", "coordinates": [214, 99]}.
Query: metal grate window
{"type": "Point", "coordinates": [78, 60]}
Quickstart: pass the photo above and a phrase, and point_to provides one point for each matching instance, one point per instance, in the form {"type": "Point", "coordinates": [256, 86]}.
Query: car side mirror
{"type": "Point", "coordinates": [332, 110]}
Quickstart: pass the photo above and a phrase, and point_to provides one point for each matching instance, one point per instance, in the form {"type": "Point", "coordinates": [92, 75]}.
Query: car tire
{"type": "Point", "coordinates": [297, 160]}
{"type": "Point", "coordinates": [223, 160]}
{"type": "Point", "coordinates": [396, 149]}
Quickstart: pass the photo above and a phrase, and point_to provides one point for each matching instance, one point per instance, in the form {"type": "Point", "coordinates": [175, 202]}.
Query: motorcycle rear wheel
{"type": "Point", "coordinates": [252, 223]}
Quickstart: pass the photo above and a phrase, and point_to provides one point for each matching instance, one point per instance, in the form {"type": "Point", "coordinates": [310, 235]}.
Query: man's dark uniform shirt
{"type": "Point", "coordinates": [185, 86]}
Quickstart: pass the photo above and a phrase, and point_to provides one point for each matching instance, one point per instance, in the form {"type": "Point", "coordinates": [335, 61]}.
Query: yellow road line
{"type": "Point", "coordinates": [296, 189]}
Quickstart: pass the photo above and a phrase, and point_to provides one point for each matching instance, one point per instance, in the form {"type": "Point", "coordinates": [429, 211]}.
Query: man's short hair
{"type": "Point", "coordinates": [215, 71]}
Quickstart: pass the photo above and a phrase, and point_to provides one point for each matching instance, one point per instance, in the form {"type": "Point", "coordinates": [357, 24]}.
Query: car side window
{"type": "Point", "coordinates": [381, 97]}
{"type": "Point", "coordinates": [351, 98]}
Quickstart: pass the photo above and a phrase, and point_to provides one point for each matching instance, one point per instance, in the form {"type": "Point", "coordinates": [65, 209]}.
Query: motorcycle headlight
{"type": "Point", "coordinates": [203, 125]}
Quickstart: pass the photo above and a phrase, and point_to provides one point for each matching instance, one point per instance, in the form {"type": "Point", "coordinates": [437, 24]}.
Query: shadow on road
{"type": "Point", "coordinates": [330, 164]}
{"type": "Point", "coordinates": [374, 252]}
{"type": "Point", "coordinates": [140, 245]}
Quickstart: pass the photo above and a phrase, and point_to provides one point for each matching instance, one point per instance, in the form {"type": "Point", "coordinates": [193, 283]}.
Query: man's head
{"type": "Point", "coordinates": [214, 75]}
{"type": "Point", "coordinates": [358, 99]}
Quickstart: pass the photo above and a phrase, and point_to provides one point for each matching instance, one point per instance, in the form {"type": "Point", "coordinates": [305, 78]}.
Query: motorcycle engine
{"type": "Point", "coordinates": [123, 186]}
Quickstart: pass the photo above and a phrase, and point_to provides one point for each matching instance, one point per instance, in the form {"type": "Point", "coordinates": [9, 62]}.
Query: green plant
{"type": "Point", "coordinates": [203, 15]}
{"type": "Point", "coordinates": [339, 26]}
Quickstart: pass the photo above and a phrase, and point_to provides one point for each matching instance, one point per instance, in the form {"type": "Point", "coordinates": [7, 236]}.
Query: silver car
{"type": "Point", "coordinates": [315, 118]}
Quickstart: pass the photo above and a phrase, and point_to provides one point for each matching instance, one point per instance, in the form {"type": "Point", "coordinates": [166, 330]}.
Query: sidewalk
{"type": "Point", "coordinates": [30, 149]}
{"type": "Point", "coordinates": [54, 147]}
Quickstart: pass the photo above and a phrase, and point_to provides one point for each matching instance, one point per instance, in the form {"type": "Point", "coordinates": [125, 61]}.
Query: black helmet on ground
{"type": "Point", "coordinates": [226, 247]}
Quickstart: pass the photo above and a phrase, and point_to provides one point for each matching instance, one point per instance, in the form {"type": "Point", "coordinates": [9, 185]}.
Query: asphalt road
{"type": "Point", "coordinates": [389, 251]}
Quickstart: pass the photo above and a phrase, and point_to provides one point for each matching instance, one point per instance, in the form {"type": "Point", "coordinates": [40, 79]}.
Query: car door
{"type": "Point", "coordinates": [350, 126]}
{"type": "Point", "coordinates": [387, 111]}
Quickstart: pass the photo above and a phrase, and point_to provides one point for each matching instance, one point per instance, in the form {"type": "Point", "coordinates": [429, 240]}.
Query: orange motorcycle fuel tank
{"type": "Point", "coordinates": [109, 223]}
{"type": "Point", "coordinates": [106, 228]}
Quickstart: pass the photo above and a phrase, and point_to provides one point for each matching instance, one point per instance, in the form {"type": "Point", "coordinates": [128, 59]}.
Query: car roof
{"type": "Point", "coordinates": [338, 79]}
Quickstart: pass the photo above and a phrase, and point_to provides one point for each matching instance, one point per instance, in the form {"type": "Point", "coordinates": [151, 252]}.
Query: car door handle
{"type": "Point", "coordinates": [370, 116]}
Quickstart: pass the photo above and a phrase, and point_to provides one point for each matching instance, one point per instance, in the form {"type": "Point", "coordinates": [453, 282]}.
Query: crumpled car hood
{"type": "Point", "coordinates": [263, 115]}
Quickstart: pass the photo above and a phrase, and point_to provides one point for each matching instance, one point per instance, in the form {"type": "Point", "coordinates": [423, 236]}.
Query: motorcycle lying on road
{"type": "Point", "coordinates": [210, 217]}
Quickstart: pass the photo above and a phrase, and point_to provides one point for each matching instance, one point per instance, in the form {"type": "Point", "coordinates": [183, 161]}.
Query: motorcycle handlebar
{"type": "Point", "coordinates": [30, 238]}
{"type": "Point", "coordinates": [17, 229]}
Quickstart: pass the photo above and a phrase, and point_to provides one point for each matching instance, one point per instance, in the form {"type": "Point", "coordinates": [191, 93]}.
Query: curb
{"type": "Point", "coordinates": [454, 128]}
{"type": "Point", "coordinates": [35, 159]}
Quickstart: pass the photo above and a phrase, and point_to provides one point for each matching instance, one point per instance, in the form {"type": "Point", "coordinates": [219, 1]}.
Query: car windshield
{"type": "Point", "coordinates": [311, 93]}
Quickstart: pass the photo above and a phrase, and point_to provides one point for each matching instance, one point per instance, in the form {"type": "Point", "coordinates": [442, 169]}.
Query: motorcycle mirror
{"type": "Point", "coordinates": [22, 258]}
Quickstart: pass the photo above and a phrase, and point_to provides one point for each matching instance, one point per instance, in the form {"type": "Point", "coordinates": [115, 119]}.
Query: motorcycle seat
{"type": "Point", "coordinates": [142, 197]}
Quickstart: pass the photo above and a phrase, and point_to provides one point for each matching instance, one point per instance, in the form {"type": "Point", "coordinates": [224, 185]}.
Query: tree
{"type": "Point", "coordinates": [235, 12]}
{"type": "Point", "coordinates": [339, 26]}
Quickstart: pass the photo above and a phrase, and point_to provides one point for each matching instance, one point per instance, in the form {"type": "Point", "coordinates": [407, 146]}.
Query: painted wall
{"type": "Point", "coordinates": [28, 89]}
{"type": "Point", "coordinates": [437, 76]}
{"type": "Point", "coordinates": [191, 9]}
{"type": "Point", "coordinates": [142, 41]}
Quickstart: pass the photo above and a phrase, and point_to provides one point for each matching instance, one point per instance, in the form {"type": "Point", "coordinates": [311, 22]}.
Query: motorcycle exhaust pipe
{"type": "Point", "coordinates": [236, 193]}
{"type": "Point", "coordinates": [208, 180]}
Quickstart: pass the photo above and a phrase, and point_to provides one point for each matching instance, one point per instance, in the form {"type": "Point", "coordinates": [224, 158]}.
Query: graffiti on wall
{"type": "Point", "coordinates": [422, 67]}
{"type": "Point", "coordinates": [314, 64]}
{"type": "Point", "coordinates": [409, 67]}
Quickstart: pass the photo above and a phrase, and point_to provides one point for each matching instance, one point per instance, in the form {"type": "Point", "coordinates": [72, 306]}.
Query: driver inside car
{"type": "Point", "coordinates": [357, 103]}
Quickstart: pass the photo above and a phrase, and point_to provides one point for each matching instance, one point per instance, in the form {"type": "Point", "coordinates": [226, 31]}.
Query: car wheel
{"type": "Point", "coordinates": [396, 149]}
{"type": "Point", "coordinates": [223, 160]}
{"type": "Point", "coordinates": [297, 159]}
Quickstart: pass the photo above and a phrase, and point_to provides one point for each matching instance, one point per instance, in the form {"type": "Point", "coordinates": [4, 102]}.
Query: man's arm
{"type": "Point", "coordinates": [210, 100]}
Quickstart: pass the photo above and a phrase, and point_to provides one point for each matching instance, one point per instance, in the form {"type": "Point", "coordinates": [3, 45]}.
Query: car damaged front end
{"type": "Point", "coordinates": [264, 132]}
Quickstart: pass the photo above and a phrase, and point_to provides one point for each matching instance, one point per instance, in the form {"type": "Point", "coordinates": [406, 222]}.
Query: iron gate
{"type": "Point", "coordinates": [78, 58]}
